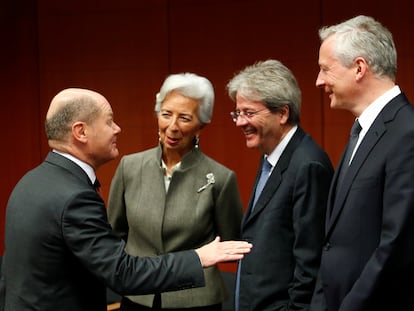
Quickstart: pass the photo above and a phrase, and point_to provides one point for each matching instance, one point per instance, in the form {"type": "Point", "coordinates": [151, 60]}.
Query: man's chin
{"type": "Point", "coordinates": [251, 144]}
{"type": "Point", "coordinates": [114, 154]}
{"type": "Point", "coordinates": [334, 104]}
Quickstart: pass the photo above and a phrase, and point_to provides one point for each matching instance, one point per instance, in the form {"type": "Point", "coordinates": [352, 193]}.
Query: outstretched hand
{"type": "Point", "coordinates": [216, 251]}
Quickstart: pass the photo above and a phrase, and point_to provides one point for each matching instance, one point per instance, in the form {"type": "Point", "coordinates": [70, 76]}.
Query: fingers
{"type": "Point", "coordinates": [239, 250]}
{"type": "Point", "coordinates": [216, 251]}
{"type": "Point", "coordinates": [235, 247]}
{"type": "Point", "coordinates": [234, 250]}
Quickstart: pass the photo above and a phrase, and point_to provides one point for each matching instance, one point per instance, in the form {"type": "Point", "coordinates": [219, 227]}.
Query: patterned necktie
{"type": "Point", "coordinates": [264, 175]}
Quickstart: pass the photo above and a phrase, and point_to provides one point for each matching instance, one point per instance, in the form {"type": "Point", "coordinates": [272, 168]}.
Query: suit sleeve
{"type": "Point", "coordinates": [309, 206]}
{"type": "Point", "coordinates": [88, 236]}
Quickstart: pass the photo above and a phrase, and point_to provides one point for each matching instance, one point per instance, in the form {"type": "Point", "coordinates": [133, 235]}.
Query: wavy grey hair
{"type": "Point", "coordinates": [271, 83]}
{"type": "Point", "coordinates": [192, 86]}
{"type": "Point", "coordinates": [363, 36]}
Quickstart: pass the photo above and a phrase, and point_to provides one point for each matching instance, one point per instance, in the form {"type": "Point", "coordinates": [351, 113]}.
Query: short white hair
{"type": "Point", "coordinates": [192, 86]}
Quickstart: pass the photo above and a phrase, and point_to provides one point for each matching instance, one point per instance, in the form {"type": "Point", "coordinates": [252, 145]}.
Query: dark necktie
{"type": "Point", "coordinates": [356, 128]}
{"type": "Point", "coordinates": [97, 186]}
{"type": "Point", "coordinates": [264, 175]}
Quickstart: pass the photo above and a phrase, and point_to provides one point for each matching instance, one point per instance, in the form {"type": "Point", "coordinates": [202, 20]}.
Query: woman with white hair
{"type": "Point", "coordinates": [173, 197]}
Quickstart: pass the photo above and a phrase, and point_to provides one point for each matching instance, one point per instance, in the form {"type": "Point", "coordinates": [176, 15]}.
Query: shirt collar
{"type": "Point", "coordinates": [277, 152]}
{"type": "Point", "coordinates": [372, 111]}
{"type": "Point", "coordinates": [85, 166]}
{"type": "Point", "coordinates": [174, 168]}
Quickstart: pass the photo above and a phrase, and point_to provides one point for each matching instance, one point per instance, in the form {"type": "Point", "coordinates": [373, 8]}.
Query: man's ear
{"type": "Point", "coordinates": [284, 114]}
{"type": "Point", "coordinates": [361, 67]}
{"type": "Point", "coordinates": [79, 131]}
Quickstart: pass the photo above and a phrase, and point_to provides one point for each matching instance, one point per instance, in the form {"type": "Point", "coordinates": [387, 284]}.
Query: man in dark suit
{"type": "Point", "coordinates": [60, 253]}
{"type": "Point", "coordinates": [368, 258]}
{"type": "Point", "coordinates": [285, 221]}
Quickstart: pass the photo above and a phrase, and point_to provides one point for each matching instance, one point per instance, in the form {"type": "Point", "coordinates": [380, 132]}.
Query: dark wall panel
{"type": "Point", "coordinates": [218, 38]}
{"type": "Point", "coordinates": [119, 50]}
{"type": "Point", "coordinates": [19, 109]}
{"type": "Point", "coordinates": [125, 50]}
{"type": "Point", "coordinates": [397, 17]}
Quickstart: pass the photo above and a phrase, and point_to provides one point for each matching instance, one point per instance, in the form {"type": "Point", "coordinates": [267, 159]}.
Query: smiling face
{"type": "Point", "coordinates": [263, 130]}
{"type": "Point", "coordinates": [178, 123]}
{"type": "Point", "coordinates": [338, 81]}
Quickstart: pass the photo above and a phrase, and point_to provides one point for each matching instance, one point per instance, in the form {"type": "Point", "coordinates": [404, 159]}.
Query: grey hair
{"type": "Point", "coordinates": [75, 108]}
{"type": "Point", "coordinates": [363, 36]}
{"type": "Point", "coordinates": [192, 86]}
{"type": "Point", "coordinates": [271, 83]}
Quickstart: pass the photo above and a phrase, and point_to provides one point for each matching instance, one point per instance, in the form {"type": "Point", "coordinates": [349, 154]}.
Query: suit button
{"type": "Point", "coordinates": [327, 246]}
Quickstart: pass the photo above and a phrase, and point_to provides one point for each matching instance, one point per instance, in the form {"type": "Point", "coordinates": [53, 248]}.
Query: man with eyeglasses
{"type": "Point", "coordinates": [285, 220]}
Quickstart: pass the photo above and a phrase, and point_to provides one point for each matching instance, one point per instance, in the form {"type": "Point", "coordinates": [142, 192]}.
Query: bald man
{"type": "Point", "coordinates": [60, 253]}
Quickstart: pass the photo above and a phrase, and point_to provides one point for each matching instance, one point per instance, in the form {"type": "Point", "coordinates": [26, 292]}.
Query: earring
{"type": "Point", "coordinates": [196, 141]}
{"type": "Point", "coordinates": [159, 136]}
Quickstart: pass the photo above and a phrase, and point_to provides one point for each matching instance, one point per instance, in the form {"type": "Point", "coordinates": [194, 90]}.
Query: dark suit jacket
{"type": "Point", "coordinates": [60, 252]}
{"type": "Point", "coordinates": [368, 258]}
{"type": "Point", "coordinates": [287, 230]}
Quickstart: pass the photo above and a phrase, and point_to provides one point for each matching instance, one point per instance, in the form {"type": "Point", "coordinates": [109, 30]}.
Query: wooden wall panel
{"type": "Point", "coordinates": [125, 50]}
{"type": "Point", "coordinates": [218, 38]}
{"type": "Point", "coordinates": [19, 108]}
{"type": "Point", "coordinates": [119, 50]}
{"type": "Point", "coordinates": [397, 18]}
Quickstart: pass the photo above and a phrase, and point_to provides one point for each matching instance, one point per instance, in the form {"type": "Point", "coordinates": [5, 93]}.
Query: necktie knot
{"type": "Point", "coordinates": [97, 185]}
{"type": "Point", "coordinates": [266, 167]}
{"type": "Point", "coordinates": [356, 128]}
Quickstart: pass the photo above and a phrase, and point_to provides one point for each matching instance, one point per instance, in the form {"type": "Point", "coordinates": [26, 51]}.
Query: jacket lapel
{"type": "Point", "coordinates": [69, 166]}
{"type": "Point", "coordinates": [275, 177]}
{"type": "Point", "coordinates": [375, 132]}
{"type": "Point", "coordinates": [332, 188]}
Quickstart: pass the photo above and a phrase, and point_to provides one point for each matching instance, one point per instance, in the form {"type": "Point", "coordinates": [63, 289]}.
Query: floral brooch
{"type": "Point", "coordinates": [210, 180]}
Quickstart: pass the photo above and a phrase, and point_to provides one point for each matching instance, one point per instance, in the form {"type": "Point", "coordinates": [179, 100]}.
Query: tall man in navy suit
{"type": "Point", "coordinates": [60, 253]}
{"type": "Point", "coordinates": [368, 257]}
{"type": "Point", "coordinates": [284, 221]}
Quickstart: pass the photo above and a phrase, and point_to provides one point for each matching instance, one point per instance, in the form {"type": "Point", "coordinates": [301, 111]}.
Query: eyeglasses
{"type": "Point", "coordinates": [247, 115]}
